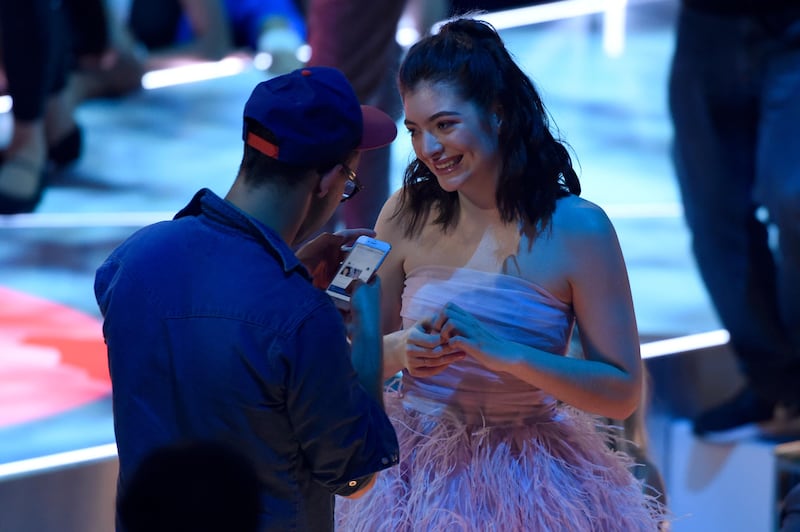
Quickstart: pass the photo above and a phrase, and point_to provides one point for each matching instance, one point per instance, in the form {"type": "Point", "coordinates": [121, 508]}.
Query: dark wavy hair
{"type": "Point", "coordinates": [470, 56]}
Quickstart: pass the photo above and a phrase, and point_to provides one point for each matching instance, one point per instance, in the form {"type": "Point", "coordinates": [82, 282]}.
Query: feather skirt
{"type": "Point", "coordinates": [553, 473]}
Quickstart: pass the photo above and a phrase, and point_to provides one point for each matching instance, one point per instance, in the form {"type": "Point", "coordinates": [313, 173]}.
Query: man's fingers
{"type": "Point", "coordinates": [349, 236]}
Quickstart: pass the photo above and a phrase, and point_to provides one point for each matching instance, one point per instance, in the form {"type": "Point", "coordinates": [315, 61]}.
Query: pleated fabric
{"type": "Point", "coordinates": [485, 451]}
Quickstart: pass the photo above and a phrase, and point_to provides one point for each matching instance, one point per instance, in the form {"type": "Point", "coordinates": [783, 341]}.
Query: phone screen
{"type": "Point", "coordinates": [360, 263]}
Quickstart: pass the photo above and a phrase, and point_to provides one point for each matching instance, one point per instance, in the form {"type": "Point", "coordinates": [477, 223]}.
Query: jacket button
{"type": "Point", "coordinates": [352, 483]}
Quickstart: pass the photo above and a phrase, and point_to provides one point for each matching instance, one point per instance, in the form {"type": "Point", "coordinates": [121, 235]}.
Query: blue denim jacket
{"type": "Point", "coordinates": [214, 332]}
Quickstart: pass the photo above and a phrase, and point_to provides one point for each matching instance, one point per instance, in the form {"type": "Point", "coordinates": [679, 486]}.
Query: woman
{"type": "Point", "coordinates": [494, 259]}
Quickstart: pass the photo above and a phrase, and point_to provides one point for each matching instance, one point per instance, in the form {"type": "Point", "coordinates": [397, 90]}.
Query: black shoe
{"type": "Point", "coordinates": [67, 150]}
{"type": "Point", "coordinates": [735, 419]}
{"type": "Point", "coordinates": [15, 205]}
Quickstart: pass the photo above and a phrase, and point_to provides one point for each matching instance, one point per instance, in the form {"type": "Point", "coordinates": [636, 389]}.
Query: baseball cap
{"type": "Point", "coordinates": [315, 117]}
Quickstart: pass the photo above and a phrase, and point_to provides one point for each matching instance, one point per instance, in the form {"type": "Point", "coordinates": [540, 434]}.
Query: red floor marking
{"type": "Point", "coordinates": [52, 358]}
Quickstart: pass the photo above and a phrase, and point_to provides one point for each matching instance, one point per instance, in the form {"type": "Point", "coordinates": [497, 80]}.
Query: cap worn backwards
{"type": "Point", "coordinates": [315, 118]}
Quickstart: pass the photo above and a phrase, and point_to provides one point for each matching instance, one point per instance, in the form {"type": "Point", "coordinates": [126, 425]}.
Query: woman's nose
{"type": "Point", "coordinates": [430, 145]}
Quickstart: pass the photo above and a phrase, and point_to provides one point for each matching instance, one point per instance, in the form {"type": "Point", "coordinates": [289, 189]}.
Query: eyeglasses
{"type": "Point", "coordinates": [352, 185]}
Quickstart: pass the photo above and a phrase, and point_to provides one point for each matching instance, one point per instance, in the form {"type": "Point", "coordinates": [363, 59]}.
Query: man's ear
{"type": "Point", "coordinates": [327, 181]}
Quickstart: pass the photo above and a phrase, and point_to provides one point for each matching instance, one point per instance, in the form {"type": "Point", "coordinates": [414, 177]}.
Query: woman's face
{"type": "Point", "coordinates": [452, 137]}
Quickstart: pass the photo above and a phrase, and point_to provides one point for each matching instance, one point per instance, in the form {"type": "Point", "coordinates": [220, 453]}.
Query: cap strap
{"type": "Point", "coordinates": [267, 148]}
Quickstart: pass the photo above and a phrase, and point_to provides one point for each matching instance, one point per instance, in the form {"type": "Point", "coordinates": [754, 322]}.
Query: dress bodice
{"type": "Point", "coordinates": [512, 308]}
{"type": "Point", "coordinates": [482, 450]}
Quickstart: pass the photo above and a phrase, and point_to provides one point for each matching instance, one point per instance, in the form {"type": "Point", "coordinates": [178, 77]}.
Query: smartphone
{"type": "Point", "coordinates": [361, 263]}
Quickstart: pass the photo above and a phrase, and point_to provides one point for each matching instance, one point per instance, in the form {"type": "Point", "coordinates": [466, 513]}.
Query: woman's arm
{"type": "Point", "coordinates": [603, 305]}
{"type": "Point", "coordinates": [420, 348]}
{"type": "Point", "coordinates": [392, 274]}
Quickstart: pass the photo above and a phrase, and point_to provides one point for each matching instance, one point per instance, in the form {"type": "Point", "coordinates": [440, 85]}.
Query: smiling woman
{"type": "Point", "coordinates": [494, 260]}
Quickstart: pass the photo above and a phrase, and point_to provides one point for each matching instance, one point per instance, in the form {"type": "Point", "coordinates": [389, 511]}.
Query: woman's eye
{"type": "Point", "coordinates": [444, 124]}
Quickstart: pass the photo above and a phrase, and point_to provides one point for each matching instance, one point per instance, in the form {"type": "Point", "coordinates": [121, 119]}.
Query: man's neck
{"type": "Point", "coordinates": [281, 209]}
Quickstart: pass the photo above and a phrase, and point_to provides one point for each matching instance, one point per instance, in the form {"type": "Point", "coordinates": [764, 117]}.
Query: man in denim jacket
{"type": "Point", "coordinates": [217, 330]}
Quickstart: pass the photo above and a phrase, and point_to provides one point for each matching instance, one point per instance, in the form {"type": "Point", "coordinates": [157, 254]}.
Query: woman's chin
{"type": "Point", "coordinates": [451, 182]}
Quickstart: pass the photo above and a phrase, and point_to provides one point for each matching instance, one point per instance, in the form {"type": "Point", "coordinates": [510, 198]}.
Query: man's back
{"type": "Point", "coordinates": [215, 332]}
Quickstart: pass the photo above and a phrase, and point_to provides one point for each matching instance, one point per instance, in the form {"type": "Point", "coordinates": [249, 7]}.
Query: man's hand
{"type": "Point", "coordinates": [363, 326]}
{"type": "Point", "coordinates": [323, 255]}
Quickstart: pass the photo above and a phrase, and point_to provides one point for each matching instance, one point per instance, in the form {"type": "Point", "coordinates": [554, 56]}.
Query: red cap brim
{"type": "Point", "coordinates": [379, 129]}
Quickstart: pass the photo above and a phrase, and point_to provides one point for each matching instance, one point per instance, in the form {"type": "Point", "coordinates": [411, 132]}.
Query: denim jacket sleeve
{"type": "Point", "coordinates": [343, 433]}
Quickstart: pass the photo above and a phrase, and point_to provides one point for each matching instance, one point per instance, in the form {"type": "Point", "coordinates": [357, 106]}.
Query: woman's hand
{"type": "Point", "coordinates": [462, 332]}
{"type": "Point", "coordinates": [427, 351]}
{"type": "Point", "coordinates": [323, 255]}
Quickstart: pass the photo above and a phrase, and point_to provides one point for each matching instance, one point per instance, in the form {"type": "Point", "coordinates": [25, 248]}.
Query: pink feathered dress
{"type": "Point", "coordinates": [484, 451]}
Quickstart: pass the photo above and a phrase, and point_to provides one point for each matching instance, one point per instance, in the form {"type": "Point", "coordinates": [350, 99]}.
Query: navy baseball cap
{"type": "Point", "coordinates": [315, 117]}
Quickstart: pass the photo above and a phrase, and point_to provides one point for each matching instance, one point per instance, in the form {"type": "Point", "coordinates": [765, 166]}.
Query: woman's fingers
{"type": "Point", "coordinates": [452, 321]}
{"type": "Point", "coordinates": [423, 362]}
{"type": "Point", "coordinates": [428, 350]}
{"type": "Point", "coordinates": [444, 359]}
{"type": "Point", "coordinates": [423, 335]}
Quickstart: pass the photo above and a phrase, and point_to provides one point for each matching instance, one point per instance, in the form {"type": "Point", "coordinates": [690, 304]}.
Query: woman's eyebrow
{"type": "Point", "coordinates": [434, 117]}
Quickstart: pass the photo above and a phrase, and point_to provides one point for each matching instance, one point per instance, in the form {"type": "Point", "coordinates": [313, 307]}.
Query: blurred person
{"type": "Point", "coordinates": [216, 329]}
{"type": "Point", "coordinates": [494, 260]}
{"type": "Point", "coordinates": [192, 487]}
{"type": "Point", "coordinates": [462, 6]}
{"type": "Point", "coordinates": [733, 95]}
{"type": "Point", "coordinates": [212, 29]}
{"type": "Point", "coordinates": [368, 53]}
{"type": "Point", "coordinates": [40, 43]}
{"type": "Point", "coordinates": [156, 34]}
{"type": "Point", "coordinates": [421, 16]}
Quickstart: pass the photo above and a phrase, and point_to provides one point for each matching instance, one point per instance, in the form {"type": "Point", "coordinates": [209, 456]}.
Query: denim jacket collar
{"type": "Point", "coordinates": [219, 211]}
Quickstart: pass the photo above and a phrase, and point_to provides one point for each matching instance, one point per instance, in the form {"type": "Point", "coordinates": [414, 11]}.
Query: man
{"type": "Point", "coordinates": [733, 99]}
{"type": "Point", "coordinates": [216, 332]}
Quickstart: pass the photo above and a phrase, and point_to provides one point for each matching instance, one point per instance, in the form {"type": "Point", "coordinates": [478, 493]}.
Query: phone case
{"type": "Point", "coordinates": [361, 263]}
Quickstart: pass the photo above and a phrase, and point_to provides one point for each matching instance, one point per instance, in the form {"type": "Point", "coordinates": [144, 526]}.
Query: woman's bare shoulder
{"type": "Point", "coordinates": [578, 217]}
{"type": "Point", "coordinates": [391, 227]}
{"type": "Point", "coordinates": [389, 223]}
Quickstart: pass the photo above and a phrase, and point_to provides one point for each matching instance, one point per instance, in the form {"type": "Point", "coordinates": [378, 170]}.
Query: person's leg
{"type": "Point", "coordinates": [368, 54]}
{"type": "Point", "coordinates": [108, 63]}
{"type": "Point", "coordinates": [155, 23]}
{"type": "Point", "coordinates": [713, 101]}
{"type": "Point", "coordinates": [248, 18]}
{"type": "Point", "coordinates": [89, 25]}
{"type": "Point", "coordinates": [778, 188]}
{"type": "Point", "coordinates": [277, 28]}
{"type": "Point", "coordinates": [35, 58]}
{"type": "Point", "coordinates": [375, 165]}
